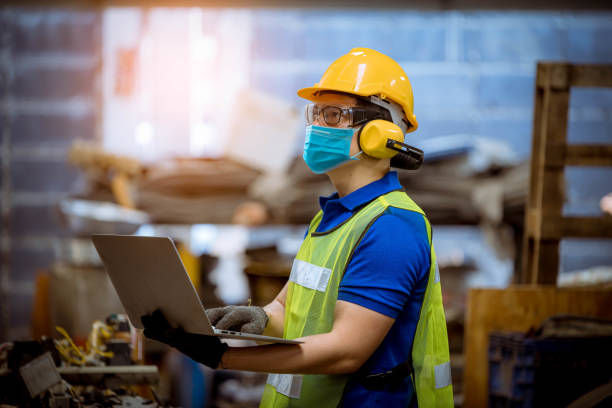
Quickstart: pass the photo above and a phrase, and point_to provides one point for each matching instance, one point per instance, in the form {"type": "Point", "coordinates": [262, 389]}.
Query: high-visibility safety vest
{"type": "Point", "coordinates": [309, 309]}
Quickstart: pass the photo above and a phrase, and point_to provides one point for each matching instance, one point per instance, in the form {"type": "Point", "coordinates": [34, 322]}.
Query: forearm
{"type": "Point", "coordinates": [276, 315]}
{"type": "Point", "coordinates": [341, 351]}
{"type": "Point", "coordinates": [276, 319]}
{"type": "Point", "coordinates": [319, 354]}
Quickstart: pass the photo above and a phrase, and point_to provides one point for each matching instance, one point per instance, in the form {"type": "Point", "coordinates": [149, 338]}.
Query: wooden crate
{"type": "Point", "coordinates": [545, 224]}
{"type": "Point", "coordinates": [517, 308]}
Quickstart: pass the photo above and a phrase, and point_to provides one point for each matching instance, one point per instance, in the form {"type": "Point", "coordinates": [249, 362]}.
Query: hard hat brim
{"type": "Point", "coordinates": [309, 93]}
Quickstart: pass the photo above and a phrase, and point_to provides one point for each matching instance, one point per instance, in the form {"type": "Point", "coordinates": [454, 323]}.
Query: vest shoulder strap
{"type": "Point", "coordinates": [400, 199]}
{"type": "Point", "coordinates": [316, 220]}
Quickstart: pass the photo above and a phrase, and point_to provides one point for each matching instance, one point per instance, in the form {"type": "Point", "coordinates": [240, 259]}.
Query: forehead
{"type": "Point", "coordinates": [335, 99]}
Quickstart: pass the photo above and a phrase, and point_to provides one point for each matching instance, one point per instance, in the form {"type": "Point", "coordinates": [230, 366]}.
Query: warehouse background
{"type": "Point", "coordinates": [472, 73]}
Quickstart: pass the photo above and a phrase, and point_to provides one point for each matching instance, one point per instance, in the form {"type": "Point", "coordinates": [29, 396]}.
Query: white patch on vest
{"type": "Point", "coordinates": [437, 274]}
{"type": "Point", "coordinates": [287, 384]}
{"type": "Point", "coordinates": [442, 373]}
{"type": "Point", "coordinates": [310, 276]}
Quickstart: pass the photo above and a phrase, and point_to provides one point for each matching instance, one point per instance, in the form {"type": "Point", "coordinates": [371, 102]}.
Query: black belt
{"type": "Point", "coordinates": [388, 379]}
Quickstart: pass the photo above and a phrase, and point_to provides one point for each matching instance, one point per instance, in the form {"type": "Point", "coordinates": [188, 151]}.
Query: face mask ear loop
{"type": "Point", "coordinates": [359, 140]}
{"type": "Point", "coordinates": [359, 137]}
{"type": "Point", "coordinates": [356, 155]}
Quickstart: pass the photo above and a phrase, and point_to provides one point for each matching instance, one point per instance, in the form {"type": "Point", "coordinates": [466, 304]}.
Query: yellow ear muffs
{"type": "Point", "coordinates": [374, 135]}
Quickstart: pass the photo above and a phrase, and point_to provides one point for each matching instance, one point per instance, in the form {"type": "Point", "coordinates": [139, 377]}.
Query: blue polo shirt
{"type": "Point", "coordinates": [388, 274]}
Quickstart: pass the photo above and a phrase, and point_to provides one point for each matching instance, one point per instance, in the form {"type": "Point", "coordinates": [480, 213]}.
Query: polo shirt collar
{"type": "Point", "coordinates": [389, 182]}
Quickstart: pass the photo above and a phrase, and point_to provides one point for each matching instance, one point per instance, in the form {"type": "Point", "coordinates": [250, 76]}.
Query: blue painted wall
{"type": "Point", "coordinates": [472, 73]}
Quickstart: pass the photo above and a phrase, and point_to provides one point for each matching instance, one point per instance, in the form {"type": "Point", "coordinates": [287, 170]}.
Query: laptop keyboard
{"type": "Point", "coordinates": [228, 332]}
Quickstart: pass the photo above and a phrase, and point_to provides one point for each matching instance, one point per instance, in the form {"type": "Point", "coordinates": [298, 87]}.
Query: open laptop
{"type": "Point", "coordinates": [148, 274]}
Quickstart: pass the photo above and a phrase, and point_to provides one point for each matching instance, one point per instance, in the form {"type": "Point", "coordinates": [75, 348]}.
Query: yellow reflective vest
{"type": "Point", "coordinates": [309, 309]}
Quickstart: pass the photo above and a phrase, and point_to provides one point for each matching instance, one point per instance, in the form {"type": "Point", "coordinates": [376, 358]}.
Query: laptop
{"type": "Point", "coordinates": [148, 274]}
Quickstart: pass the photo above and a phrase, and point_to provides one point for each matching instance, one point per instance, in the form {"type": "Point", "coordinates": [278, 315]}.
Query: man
{"type": "Point", "coordinates": [364, 292]}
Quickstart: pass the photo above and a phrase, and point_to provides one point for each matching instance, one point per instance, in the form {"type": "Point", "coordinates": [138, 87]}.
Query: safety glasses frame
{"type": "Point", "coordinates": [332, 115]}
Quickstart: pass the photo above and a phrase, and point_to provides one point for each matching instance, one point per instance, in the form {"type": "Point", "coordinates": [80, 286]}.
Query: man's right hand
{"type": "Point", "coordinates": [203, 349]}
{"type": "Point", "coordinates": [245, 319]}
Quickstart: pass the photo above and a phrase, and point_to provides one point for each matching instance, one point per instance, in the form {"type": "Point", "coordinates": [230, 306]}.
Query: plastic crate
{"type": "Point", "coordinates": [552, 372]}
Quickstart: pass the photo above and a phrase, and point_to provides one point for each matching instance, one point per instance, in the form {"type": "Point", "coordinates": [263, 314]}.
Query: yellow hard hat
{"type": "Point", "coordinates": [366, 72]}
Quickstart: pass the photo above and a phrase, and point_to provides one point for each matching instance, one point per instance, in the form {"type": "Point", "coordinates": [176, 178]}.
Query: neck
{"type": "Point", "coordinates": [355, 175]}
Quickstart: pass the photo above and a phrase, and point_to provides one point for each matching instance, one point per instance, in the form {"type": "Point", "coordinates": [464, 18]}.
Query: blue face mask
{"type": "Point", "coordinates": [326, 147]}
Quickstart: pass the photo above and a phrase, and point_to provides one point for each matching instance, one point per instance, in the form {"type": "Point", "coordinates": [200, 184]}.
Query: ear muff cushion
{"type": "Point", "coordinates": [374, 135]}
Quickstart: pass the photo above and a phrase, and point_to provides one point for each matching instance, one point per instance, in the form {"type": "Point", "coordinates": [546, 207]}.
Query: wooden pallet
{"type": "Point", "coordinates": [545, 224]}
{"type": "Point", "coordinates": [517, 308]}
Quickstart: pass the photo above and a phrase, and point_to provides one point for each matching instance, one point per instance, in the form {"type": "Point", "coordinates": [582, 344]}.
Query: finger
{"type": "Point", "coordinates": [160, 319]}
{"type": "Point", "coordinates": [215, 314]}
{"type": "Point", "coordinates": [151, 334]}
{"type": "Point", "coordinates": [146, 320]}
{"type": "Point", "coordinates": [158, 314]}
{"type": "Point", "coordinates": [252, 328]}
{"type": "Point", "coordinates": [233, 320]}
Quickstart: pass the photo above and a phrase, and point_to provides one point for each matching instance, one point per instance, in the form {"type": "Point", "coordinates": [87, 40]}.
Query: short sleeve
{"type": "Point", "coordinates": [390, 263]}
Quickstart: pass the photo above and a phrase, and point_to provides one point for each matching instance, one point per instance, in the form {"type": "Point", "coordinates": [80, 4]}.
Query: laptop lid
{"type": "Point", "coordinates": [148, 274]}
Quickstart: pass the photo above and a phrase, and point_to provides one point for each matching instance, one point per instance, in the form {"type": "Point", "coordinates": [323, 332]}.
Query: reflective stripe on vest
{"type": "Point", "coordinates": [287, 384]}
{"type": "Point", "coordinates": [442, 373]}
{"type": "Point", "coordinates": [312, 293]}
{"type": "Point", "coordinates": [437, 275]}
{"type": "Point", "coordinates": [309, 276]}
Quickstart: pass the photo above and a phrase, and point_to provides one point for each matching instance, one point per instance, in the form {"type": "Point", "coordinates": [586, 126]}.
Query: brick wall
{"type": "Point", "coordinates": [49, 66]}
{"type": "Point", "coordinates": [472, 72]}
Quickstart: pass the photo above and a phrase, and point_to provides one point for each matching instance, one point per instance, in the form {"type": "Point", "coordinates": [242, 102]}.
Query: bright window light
{"type": "Point", "coordinates": [167, 83]}
{"type": "Point", "coordinates": [144, 134]}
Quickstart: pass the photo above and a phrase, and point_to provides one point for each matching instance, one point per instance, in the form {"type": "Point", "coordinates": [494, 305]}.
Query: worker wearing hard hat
{"type": "Point", "coordinates": [364, 292]}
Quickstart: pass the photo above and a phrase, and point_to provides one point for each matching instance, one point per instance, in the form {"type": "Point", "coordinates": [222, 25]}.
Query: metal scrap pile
{"type": "Point", "coordinates": [57, 373]}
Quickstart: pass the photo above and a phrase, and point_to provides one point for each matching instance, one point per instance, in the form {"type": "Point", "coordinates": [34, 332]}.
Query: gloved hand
{"type": "Point", "coordinates": [246, 319]}
{"type": "Point", "coordinates": [203, 349]}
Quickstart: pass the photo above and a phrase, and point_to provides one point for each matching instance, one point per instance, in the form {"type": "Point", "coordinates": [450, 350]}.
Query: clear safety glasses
{"type": "Point", "coordinates": [335, 116]}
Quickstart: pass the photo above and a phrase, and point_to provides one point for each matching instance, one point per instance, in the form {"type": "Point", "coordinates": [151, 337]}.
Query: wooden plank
{"type": "Point", "coordinates": [517, 308]}
{"type": "Point", "coordinates": [546, 262]}
{"type": "Point", "coordinates": [534, 177]}
{"type": "Point", "coordinates": [587, 227]}
{"type": "Point", "coordinates": [527, 259]}
{"type": "Point", "coordinates": [536, 142]}
{"type": "Point", "coordinates": [540, 226]}
{"type": "Point", "coordinates": [553, 75]}
{"type": "Point", "coordinates": [553, 191]}
{"type": "Point", "coordinates": [532, 223]}
{"type": "Point", "coordinates": [591, 75]}
{"type": "Point", "coordinates": [578, 155]}
{"type": "Point", "coordinates": [588, 155]}
{"type": "Point", "coordinates": [550, 191]}
{"type": "Point", "coordinates": [559, 77]}
{"type": "Point", "coordinates": [576, 227]}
